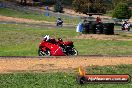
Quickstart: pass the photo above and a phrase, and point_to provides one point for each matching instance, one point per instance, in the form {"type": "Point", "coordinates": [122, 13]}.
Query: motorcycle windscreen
{"type": "Point", "coordinates": [57, 50]}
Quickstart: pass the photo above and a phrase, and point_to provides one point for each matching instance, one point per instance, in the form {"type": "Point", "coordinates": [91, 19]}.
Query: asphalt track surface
{"type": "Point", "coordinates": [49, 26]}
{"type": "Point", "coordinates": [44, 25]}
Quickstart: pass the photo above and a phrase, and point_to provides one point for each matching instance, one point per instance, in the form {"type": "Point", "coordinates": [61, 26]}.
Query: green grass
{"type": "Point", "coordinates": [61, 79]}
{"type": "Point", "coordinates": [24, 14]}
{"type": "Point", "coordinates": [103, 47]}
{"type": "Point", "coordinates": [20, 40]}
{"type": "Point", "coordinates": [35, 16]}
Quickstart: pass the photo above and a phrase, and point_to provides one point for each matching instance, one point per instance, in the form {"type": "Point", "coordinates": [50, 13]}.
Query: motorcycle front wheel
{"type": "Point", "coordinates": [44, 53]}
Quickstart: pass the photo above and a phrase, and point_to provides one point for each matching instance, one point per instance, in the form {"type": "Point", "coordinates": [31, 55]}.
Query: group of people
{"type": "Point", "coordinates": [85, 25]}
{"type": "Point", "coordinates": [81, 26]}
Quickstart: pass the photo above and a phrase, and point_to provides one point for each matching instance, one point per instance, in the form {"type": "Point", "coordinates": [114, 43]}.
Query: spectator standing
{"type": "Point", "coordinates": [79, 27]}
{"type": "Point", "coordinates": [98, 20]}
{"type": "Point", "coordinates": [86, 28]}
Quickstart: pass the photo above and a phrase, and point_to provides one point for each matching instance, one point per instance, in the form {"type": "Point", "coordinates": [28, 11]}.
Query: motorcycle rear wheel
{"type": "Point", "coordinates": [44, 53]}
{"type": "Point", "coordinates": [73, 52]}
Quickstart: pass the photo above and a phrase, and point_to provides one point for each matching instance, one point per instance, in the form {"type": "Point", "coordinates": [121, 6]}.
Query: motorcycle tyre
{"type": "Point", "coordinates": [46, 53]}
{"type": "Point", "coordinates": [73, 50]}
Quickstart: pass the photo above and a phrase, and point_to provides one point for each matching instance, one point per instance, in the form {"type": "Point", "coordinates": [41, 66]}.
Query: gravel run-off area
{"type": "Point", "coordinates": [9, 65]}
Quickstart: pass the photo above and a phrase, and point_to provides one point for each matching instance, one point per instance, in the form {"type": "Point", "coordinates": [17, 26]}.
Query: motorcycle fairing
{"type": "Point", "coordinates": [70, 43]}
{"type": "Point", "coordinates": [57, 51]}
{"type": "Point", "coordinates": [54, 49]}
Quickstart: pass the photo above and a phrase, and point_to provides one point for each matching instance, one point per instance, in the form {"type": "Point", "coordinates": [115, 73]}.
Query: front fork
{"type": "Point", "coordinates": [43, 49]}
{"type": "Point", "coordinates": [68, 49]}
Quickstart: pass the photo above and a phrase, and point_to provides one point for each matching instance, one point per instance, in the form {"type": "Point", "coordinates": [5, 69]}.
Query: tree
{"type": "Point", "coordinates": [58, 6]}
{"type": "Point", "coordinates": [48, 2]}
{"type": "Point", "coordinates": [122, 11]}
{"type": "Point", "coordinates": [23, 2]}
{"type": "Point", "coordinates": [115, 2]}
{"type": "Point", "coordinates": [89, 6]}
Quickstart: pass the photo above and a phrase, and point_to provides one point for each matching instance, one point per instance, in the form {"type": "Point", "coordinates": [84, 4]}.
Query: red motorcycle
{"type": "Point", "coordinates": [56, 48]}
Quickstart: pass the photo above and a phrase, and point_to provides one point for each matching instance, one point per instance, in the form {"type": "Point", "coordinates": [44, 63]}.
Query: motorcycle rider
{"type": "Point", "coordinates": [46, 38]}
{"type": "Point", "coordinates": [59, 42]}
{"type": "Point", "coordinates": [126, 26]}
{"type": "Point", "coordinates": [59, 22]}
{"type": "Point", "coordinates": [53, 41]}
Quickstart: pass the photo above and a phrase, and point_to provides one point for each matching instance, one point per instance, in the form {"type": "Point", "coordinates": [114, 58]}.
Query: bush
{"type": "Point", "coordinates": [48, 2]}
{"type": "Point", "coordinates": [89, 6]}
{"type": "Point", "coordinates": [67, 2]}
{"type": "Point", "coordinates": [122, 11]}
{"type": "Point", "coordinates": [58, 6]}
